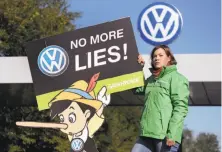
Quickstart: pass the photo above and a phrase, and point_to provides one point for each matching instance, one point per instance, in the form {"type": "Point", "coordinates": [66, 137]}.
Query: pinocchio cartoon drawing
{"type": "Point", "coordinates": [80, 112]}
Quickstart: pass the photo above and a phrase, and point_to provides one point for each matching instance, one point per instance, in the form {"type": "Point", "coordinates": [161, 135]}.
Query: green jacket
{"type": "Point", "coordinates": [166, 105]}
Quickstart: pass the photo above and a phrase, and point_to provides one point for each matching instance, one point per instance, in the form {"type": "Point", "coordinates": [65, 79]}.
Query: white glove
{"type": "Point", "coordinates": [105, 99]}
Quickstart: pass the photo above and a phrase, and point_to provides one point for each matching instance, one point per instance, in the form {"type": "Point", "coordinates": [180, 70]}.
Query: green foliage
{"type": "Point", "coordinates": [26, 20]}
{"type": "Point", "coordinates": [120, 131]}
{"type": "Point", "coordinates": [14, 148]}
{"type": "Point", "coordinates": [13, 137]}
{"type": "Point", "coordinates": [204, 142]}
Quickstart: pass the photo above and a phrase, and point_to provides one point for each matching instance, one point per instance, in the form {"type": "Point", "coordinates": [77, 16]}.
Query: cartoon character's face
{"type": "Point", "coordinates": [75, 118]}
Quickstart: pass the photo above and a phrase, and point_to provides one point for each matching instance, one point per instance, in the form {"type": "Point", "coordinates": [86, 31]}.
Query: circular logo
{"type": "Point", "coordinates": [53, 60]}
{"type": "Point", "coordinates": [160, 23]}
{"type": "Point", "coordinates": [77, 144]}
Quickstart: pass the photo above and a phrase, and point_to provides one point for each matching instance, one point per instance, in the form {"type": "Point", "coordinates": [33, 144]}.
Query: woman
{"type": "Point", "coordinates": [166, 104]}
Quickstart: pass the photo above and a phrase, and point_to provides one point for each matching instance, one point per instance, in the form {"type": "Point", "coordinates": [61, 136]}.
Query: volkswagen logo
{"type": "Point", "coordinates": [77, 144]}
{"type": "Point", "coordinates": [160, 23]}
{"type": "Point", "coordinates": [53, 60]}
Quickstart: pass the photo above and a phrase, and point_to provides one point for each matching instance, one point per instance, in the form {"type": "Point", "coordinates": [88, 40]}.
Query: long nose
{"type": "Point", "coordinates": [42, 125]}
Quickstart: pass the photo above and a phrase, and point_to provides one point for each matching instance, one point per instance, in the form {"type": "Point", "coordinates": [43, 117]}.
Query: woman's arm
{"type": "Point", "coordinates": [179, 99]}
{"type": "Point", "coordinates": [141, 90]}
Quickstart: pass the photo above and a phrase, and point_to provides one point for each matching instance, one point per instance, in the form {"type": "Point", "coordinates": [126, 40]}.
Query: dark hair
{"type": "Point", "coordinates": [167, 51]}
{"type": "Point", "coordinates": [60, 106]}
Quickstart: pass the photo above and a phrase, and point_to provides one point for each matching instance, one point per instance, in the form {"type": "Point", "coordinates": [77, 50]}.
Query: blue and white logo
{"type": "Point", "coordinates": [160, 23]}
{"type": "Point", "coordinates": [77, 144]}
{"type": "Point", "coordinates": [53, 60]}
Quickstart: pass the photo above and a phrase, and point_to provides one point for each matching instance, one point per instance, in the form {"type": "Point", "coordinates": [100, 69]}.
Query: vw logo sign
{"type": "Point", "coordinates": [160, 23]}
{"type": "Point", "coordinates": [53, 60]}
{"type": "Point", "coordinates": [77, 144]}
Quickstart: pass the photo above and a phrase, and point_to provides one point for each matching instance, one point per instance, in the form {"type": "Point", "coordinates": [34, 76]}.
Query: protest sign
{"type": "Point", "coordinates": [105, 52]}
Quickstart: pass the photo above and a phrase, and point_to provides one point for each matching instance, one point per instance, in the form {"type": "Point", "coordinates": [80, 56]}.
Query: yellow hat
{"type": "Point", "coordinates": [77, 92]}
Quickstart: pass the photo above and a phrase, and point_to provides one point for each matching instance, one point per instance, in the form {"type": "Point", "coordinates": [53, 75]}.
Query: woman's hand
{"type": "Point", "coordinates": [170, 142]}
{"type": "Point", "coordinates": [141, 60]}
